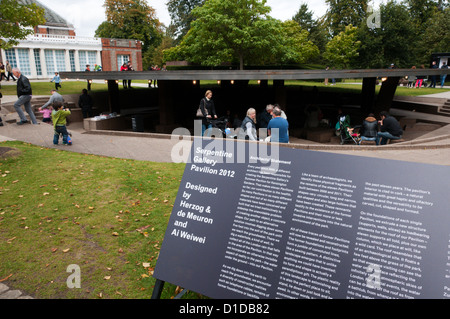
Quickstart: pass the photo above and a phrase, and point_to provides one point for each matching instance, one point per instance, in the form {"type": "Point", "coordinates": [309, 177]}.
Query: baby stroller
{"type": "Point", "coordinates": [347, 133]}
{"type": "Point", "coordinates": [221, 125]}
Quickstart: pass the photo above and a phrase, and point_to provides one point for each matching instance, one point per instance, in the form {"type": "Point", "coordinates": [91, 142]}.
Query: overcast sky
{"type": "Point", "coordinates": [86, 15]}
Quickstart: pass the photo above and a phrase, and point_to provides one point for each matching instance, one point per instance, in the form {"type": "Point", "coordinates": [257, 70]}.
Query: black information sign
{"type": "Point", "coordinates": [254, 221]}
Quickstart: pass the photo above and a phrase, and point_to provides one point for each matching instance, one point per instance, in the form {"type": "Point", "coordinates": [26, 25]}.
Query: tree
{"type": "Point", "coordinates": [241, 31]}
{"type": "Point", "coordinates": [181, 16]}
{"type": "Point", "coordinates": [230, 29]}
{"type": "Point", "coordinates": [317, 29]}
{"type": "Point", "coordinates": [304, 18]}
{"type": "Point", "coordinates": [16, 20]}
{"type": "Point", "coordinates": [342, 50]}
{"type": "Point", "coordinates": [132, 19]}
{"type": "Point", "coordinates": [294, 45]}
{"type": "Point", "coordinates": [436, 37]}
{"type": "Point", "coordinates": [342, 13]}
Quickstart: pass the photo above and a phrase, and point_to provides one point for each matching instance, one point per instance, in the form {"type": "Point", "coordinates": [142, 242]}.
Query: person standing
{"type": "Point", "coordinates": [433, 77]}
{"type": "Point", "coordinates": [9, 70]}
{"type": "Point", "coordinates": [85, 103]}
{"type": "Point", "coordinates": [57, 81]}
{"type": "Point", "coordinates": [122, 69]}
{"type": "Point", "coordinates": [443, 76]}
{"type": "Point", "coordinates": [88, 69]}
{"type": "Point", "coordinates": [248, 127]}
{"type": "Point", "coordinates": [59, 118]}
{"type": "Point", "coordinates": [24, 93]}
{"type": "Point", "coordinates": [1, 122]}
{"type": "Point", "coordinates": [129, 68]}
{"type": "Point", "coordinates": [278, 128]}
{"type": "Point", "coordinates": [208, 111]}
{"type": "Point", "coordinates": [2, 71]}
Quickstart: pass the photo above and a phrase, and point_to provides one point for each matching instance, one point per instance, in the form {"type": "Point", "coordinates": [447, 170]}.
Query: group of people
{"type": "Point", "coordinates": [380, 131]}
{"type": "Point", "coordinates": [418, 82]}
{"type": "Point", "coordinates": [126, 67]}
{"type": "Point", "coordinates": [273, 120]}
{"type": "Point", "coordinates": [53, 111]}
{"type": "Point", "coordinates": [6, 72]}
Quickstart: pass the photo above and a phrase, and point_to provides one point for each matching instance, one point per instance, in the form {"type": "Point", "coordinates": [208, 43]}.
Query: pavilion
{"type": "Point", "coordinates": [175, 87]}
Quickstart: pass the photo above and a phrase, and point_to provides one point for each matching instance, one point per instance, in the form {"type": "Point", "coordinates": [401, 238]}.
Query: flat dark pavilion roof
{"type": "Point", "coordinates": [252, 74]}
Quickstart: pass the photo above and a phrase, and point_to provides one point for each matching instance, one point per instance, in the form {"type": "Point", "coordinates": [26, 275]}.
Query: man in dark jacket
{"type": "Point", "coordinates": [24, 94]}
{"type": "Point", "coordinates": [390, 128]}
{"type": "Point", "coordinates": [85, 103]}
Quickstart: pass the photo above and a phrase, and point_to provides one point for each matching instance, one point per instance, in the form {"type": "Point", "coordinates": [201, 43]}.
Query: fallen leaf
{"type": "Point", "coordinates": [66, 250]}
{"type": "Point", "coordinates": [54, 249]}
{"type": "Point", "coordinates": [115, 234]}
{"type": "Point", "coordinates": [146, 265]}
{"type": "Point", "coordinates": [45, 194]}
{"type": "Point", "coordinates": [107, 277]}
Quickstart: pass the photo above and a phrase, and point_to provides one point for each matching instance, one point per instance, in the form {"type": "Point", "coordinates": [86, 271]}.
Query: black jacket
{"type": "Point", "coordinates": [23, 86]}
{"type": "Point", "coordinates": [369, 127]}
{"type": "Point", "coordinates": [391, 125]}
{"type": "Point", "coordinates": [85, 101]}
{"type": "Point", "coordinates": [208, 108]}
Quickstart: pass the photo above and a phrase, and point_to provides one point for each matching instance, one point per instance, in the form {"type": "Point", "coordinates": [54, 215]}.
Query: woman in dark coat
{"type": "Point", "coordinates": [209, 112]}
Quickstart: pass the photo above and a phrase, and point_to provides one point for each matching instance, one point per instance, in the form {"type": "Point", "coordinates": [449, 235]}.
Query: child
{"type": "Point", "coordinates": [57, 81]}
{"type": "Point", "coordinates": [59, 123]}
{"type": "Point", "coordinates": [47, 112]}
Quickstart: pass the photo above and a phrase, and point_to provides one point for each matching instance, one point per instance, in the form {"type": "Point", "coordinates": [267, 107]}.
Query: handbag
{"type": "Point", "coordinates": [199, 111]}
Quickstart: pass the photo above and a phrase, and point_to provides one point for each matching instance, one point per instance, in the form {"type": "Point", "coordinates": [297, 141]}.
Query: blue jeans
{"type": "Point", "coordinates": [443, 80]}
{"type": "Point", "coordinates": [60, 130]}
{"type": "Point", "coordinates": [25, 100]}
{"type": "Point", "coordinates": [364, 138]}
{"type": "Point", "coordinates": [385, 136]}
{"type": "Point", "coordinates": [208, 134]}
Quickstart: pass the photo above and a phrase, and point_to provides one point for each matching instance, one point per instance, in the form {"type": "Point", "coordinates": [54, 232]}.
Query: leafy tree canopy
{"type": "Point", "coordinates": [243, 31]}
{"type": "Point", "coordinates": [17, 21]}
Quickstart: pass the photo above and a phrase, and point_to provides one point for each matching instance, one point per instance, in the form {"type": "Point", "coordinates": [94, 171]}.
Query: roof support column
{"type": "Point", "coordinates": [113, 96]}
{"type": "Point", "coordinates": [368, 95]}
{"type": "Point", "coordinates": [280, 93]}
{"type": "Point", "coordinates": [386, 95]}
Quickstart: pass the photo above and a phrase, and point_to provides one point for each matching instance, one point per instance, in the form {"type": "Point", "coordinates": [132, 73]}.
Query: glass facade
{"type": "Point", "coordinates": [49, 61]}
{"type": "Point", "coordinates": [24, 61]}
{"type": "Point", "coordinates": [11, 57]}
{"type": "Point", "coordinates": [29, 60]}
{"type": "Point", "coordinates": [87, 57]}
{"type": "Point", "coordinates": [37, 61]}
{"type": "Point", "coordinates": [60, 60]}
{"type": "Point", "coordinates": [121, 59]}
{"type": "Point", "coordinates": [72, 60]}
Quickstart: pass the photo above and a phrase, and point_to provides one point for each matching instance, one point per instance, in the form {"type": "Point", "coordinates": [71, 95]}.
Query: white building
{"type": "Point", "coordinates": [55, 48]}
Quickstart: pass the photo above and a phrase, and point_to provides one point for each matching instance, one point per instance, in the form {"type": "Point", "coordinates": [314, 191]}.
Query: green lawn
{"type": "Point", "coordinates": [349, 86]}
{"type": "Point", "coordinates": [106, 215]}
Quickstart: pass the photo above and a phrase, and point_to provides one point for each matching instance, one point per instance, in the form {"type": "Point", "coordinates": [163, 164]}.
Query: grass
{"type": "Point", "coordinates": [349, 86]}
{"type": "Point", "coordinates": [106, 215]}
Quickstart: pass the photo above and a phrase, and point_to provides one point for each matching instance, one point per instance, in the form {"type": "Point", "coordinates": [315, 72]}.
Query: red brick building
{"type": "Point", "coordinates": [116, 52]}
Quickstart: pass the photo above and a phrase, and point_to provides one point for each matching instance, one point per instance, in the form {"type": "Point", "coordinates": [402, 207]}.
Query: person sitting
{"type": "Point", "coordinates": [369, 129]}
{"type": "Point", "coordinates": [390, 129]}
